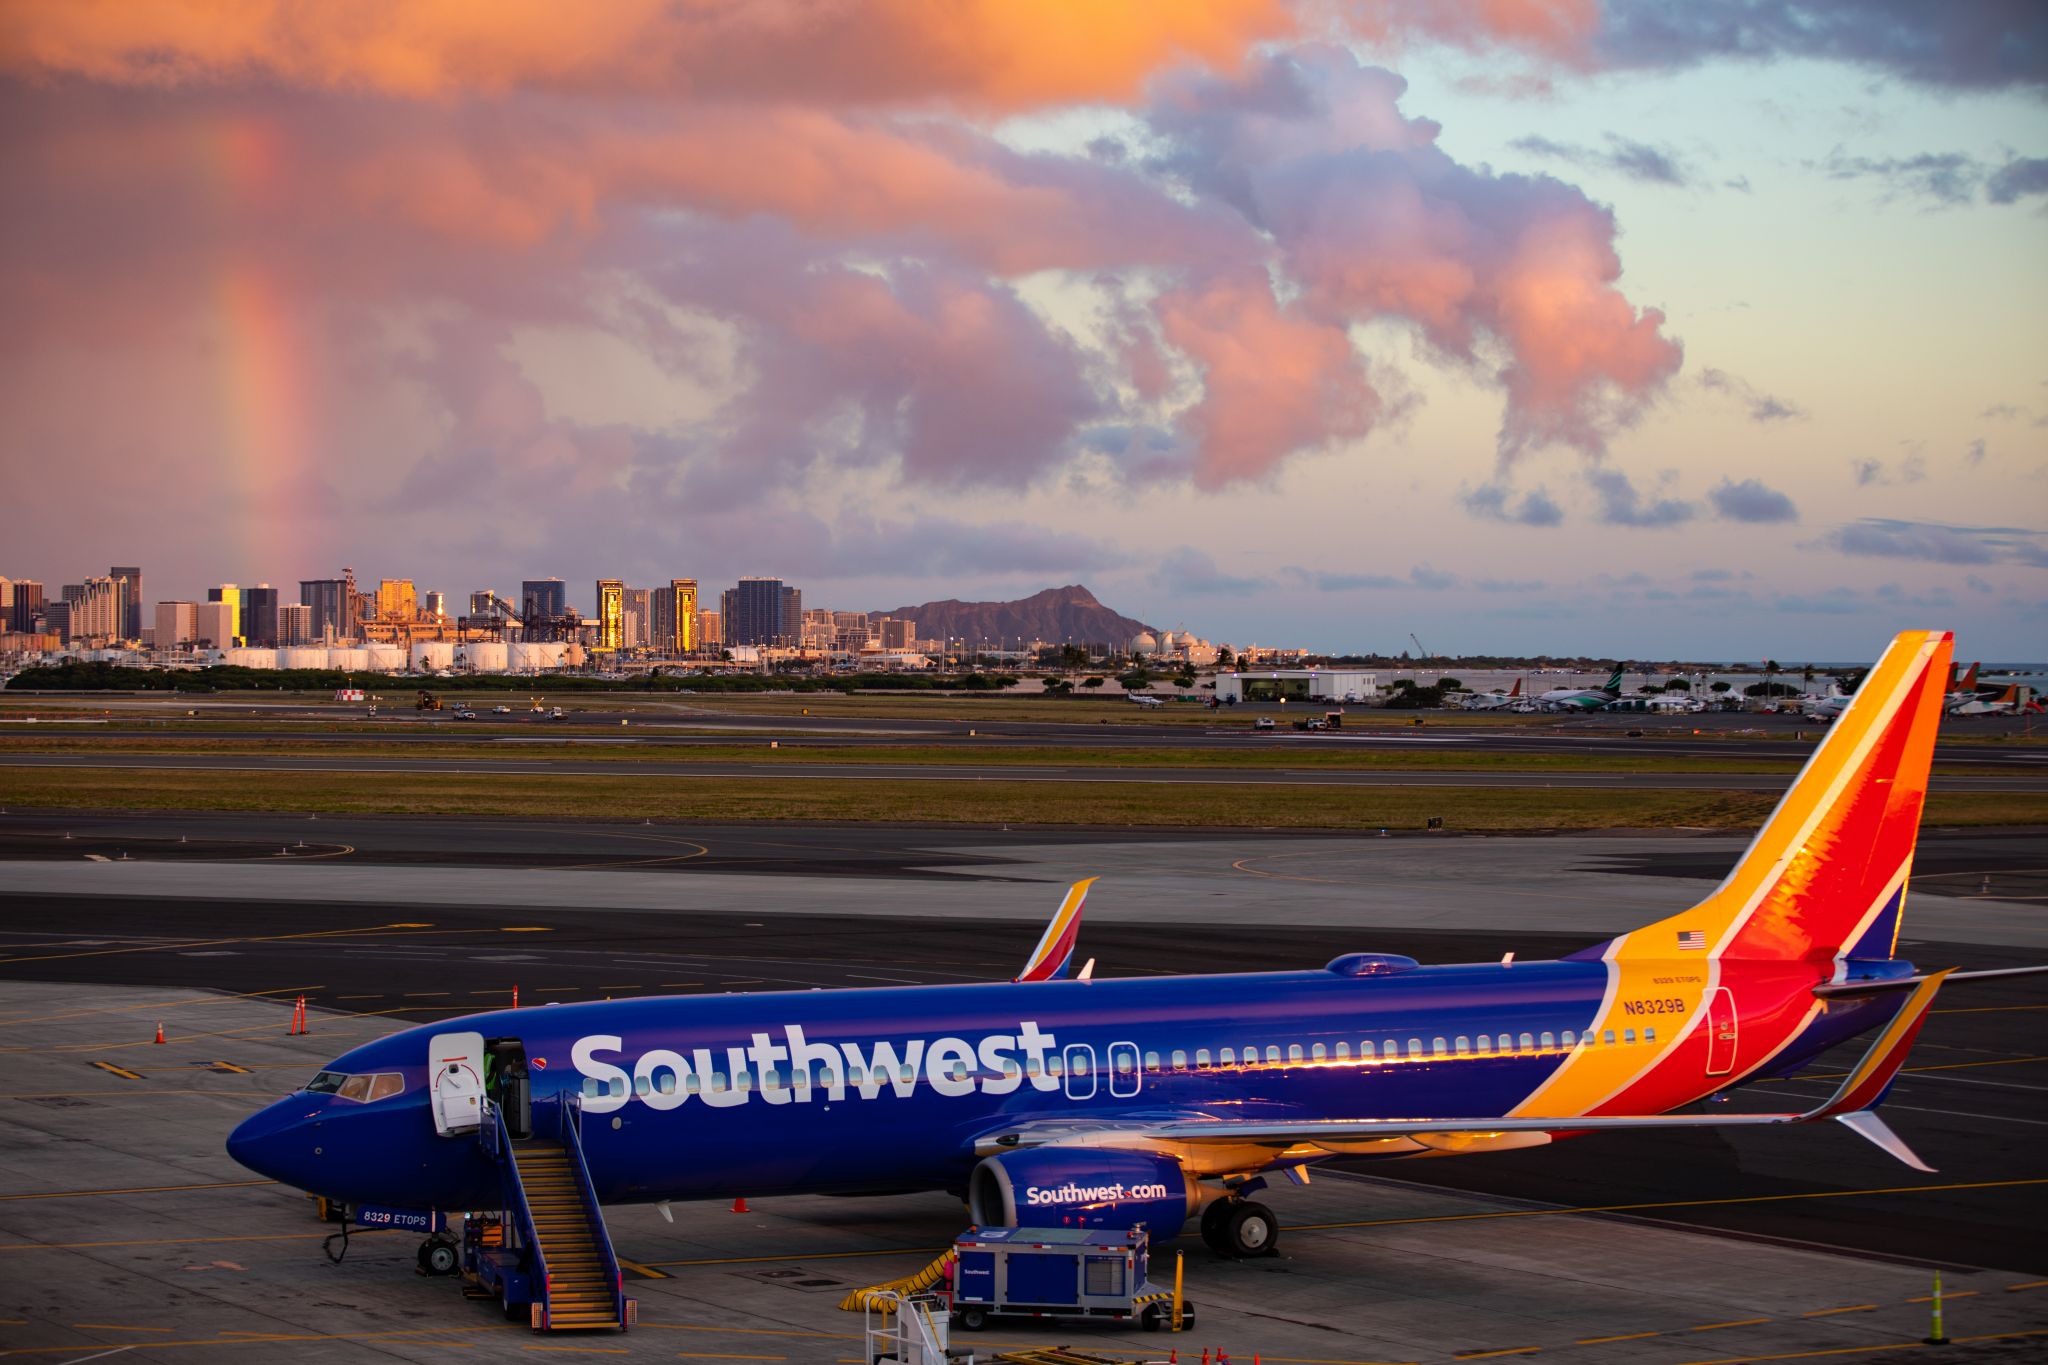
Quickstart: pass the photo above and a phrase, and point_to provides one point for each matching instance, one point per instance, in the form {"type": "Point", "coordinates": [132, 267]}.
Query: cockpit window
{"type": "Point", "coordinates": [365, 1089]}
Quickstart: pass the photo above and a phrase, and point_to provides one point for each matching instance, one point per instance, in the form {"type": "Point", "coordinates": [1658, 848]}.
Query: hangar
{"type": "Point", "coordinates": [1298, 684]}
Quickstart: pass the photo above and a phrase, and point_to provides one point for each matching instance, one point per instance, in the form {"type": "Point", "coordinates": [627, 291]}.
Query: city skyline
{"type": "Point", "coordinates": [1530, 328]}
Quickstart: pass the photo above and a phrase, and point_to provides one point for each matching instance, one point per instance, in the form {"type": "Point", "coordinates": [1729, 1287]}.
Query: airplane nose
{"type": "Point", "coordinates": [266, 1142]}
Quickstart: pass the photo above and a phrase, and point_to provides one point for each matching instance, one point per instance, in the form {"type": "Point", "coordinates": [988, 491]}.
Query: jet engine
{"type": "Point", "coordinates": [1082, 1187]}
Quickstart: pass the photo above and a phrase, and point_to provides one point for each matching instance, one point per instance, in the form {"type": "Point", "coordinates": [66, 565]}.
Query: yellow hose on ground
{"type": "Point", "coordinates": [916, 1283]}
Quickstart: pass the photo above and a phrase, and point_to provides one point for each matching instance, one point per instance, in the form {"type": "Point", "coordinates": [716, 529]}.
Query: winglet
{"type": "Point", "coordinates": [1865, 1085]}
{"type": "Point", "coordinates": [1055, 951]}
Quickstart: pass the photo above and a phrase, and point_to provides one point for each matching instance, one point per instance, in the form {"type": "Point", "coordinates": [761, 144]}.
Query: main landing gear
{"type": "Point", "coordinates": [439, 1255]}
{"type": "Point", "coordinates": [1240, 1228]}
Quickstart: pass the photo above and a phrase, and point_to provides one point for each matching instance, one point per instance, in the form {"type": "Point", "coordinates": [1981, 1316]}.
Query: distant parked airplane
{"type": "Point", "coordinates": [1583, 698]}
{"type": "Point", "coordinates": [1139, 700]}
{"type": "Point", "coordinates": [1494, 701]}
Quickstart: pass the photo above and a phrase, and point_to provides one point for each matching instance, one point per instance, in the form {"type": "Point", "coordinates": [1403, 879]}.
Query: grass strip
{"type": "Point", "coordinates": [1282, 755]}
{"type": "Point", "coordinates": [1469, 809]}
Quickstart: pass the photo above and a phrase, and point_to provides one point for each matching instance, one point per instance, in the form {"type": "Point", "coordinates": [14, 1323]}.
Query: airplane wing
{"type": "Point", "coordinates": [1055, 950]}
{"type": "Point", "coordinates": [1852, 1105]}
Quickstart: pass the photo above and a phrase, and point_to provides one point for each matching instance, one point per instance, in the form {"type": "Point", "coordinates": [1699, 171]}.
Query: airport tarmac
{"type": "Point", "coordinates": [126, 1231]}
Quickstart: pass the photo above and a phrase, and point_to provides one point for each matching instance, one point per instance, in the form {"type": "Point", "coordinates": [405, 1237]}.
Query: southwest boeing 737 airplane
{"type": "Point", "coordinates": [1052, 1099]}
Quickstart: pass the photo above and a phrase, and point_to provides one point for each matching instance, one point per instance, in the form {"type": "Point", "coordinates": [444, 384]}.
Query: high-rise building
{"type": "Point", "coordinates": [762, 611]}
{"type": "Point", "coordinates": [543, 597]}
{"type": "Point", "coordinates": [176, 624]}
{"type": "Point", "coordinates": [259, 615]}
{"type": "Point", "coordinates": [213, 624]}
{"type": "Point", "coordinates": [57, 619]}
{"type": "Point", "coordinates": [636, 615]}
{"type": "Point", "coordinates": [229, 596]}
{"type": "Point", "coordinates": [96, 610]}
{"type": "Point", "coordinates": [434, 606]}
{"type": "Point", "coordinates": [130, 593]}
{"type": "Point", "coordinates": [675, 617]}
{"type": "Point", "coordinates": [396, 601]}
{"type": "Point", "coordinates": [710, 630]}
{"type": "Point", "coordinates": [611, 609]}
{"type": "Point", "coordinates": [897, 632]}
{"type": "Point", "coordinates": [332, 601]}
{"type": "Point", "coordinates": [295, 624]}
{"type": "Point", "coordinates": [28, 604]}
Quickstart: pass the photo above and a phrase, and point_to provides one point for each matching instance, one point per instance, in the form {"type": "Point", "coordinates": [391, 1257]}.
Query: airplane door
{"type": "Point", "coordinates": [1720, 1032]}
{"type": "Point", "coordinates": [458, 1080]}
{"type": "Point", "coordinates": [1080, 1072]}
{"type": "Point", "coordinates": [1125, 1075]}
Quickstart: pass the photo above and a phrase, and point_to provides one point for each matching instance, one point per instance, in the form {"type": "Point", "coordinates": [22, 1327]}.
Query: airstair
{"type": "Point", "coordinates": [550, 1253]}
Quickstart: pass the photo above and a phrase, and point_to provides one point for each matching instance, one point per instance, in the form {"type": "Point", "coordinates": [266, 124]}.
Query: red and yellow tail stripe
{"type": "Point", "coordinates": [1055, 950]}
{"type": "Point", "coordinates": [1820, 876]}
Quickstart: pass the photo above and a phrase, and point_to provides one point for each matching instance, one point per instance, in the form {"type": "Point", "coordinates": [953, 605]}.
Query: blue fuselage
{"type": "Point", "coordinates": [893, 1089]}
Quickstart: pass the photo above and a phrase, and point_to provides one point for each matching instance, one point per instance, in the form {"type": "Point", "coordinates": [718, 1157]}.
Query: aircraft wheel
{"type": "Point", "coordinates": [438, 1257]}
{"type": "Point", "coordinates": [1250, 1230]}
{"type": "Point", "coordinates": [1214, 1215]}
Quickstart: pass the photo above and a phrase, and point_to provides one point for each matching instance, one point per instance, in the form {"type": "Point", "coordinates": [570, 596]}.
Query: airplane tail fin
{"type": "Point", "coordinates": [1969, 682]}
{"type": "Point", "coordinates": [1614, 682]}
{"type": "Point", "coordinates": [1055, 951]}
{"type": "Point", "coordinates": [1826, 876]}
{"type": "Point", "coordinates": [1516, 690]}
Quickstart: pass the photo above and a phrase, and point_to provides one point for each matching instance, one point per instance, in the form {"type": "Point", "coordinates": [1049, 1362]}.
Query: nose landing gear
{"type": "Point", "coordinates": [1240, 1228]}
{"type": "Point", "coordinates": [439, 1255]}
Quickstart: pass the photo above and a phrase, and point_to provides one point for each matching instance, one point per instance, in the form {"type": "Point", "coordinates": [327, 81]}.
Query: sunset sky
{"type": "Point", "coordinates": [1710, 330]}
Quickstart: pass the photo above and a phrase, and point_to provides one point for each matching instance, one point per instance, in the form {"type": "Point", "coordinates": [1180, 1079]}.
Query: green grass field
{"type": "Point", "coordinates": [1467, 809]}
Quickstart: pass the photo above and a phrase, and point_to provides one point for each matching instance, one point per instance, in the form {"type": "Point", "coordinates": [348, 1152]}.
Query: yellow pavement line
{"type": "Point", "coordinates": [1626, 1336]}
{"type": "Point", "coordinates": [1625, 1208]}
{"type": "Point", "coordinates": [2027, 1284]}
{"type": "Point", "coordinates": [1849, 1308]}
{"type": "Point", "coordinates": [587, 1350]}
{"type": "Point", "coordinates": [1504, 1351]}
{"type": "Point", "coordinates": [113, 1327]}
{"type": "Point", "coordinates": [1990, 1009]}
{"type": "Point", "coordinates": [645, 1271]}
{"type": "Point", "coordinates": [1868, 1350]}
{"type": "Point", "coordinates": [154, 1189]}
{"type": "Point", "coordinates": [801, 1256]}
{"type": "Point", "coordinates": [1717, 1326]}
{"type": "Point", "coordinates": [1910, 1070]}
{"type": "Point", "coordinates": [212, 942]}
{"type": "Point", "coordinates": [188, 1241]}
{"type": "Point", "coordinates": [123, 1072]}
{"type": "Point", "coordinates": [721, 1355]}
{"type": "Point", "coordinates": [215, 1343]}
{"type": "Point", "coordinates": [209, 998]}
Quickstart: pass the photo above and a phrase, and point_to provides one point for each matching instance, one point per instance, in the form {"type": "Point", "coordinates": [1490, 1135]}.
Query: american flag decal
{"type": "Point", "coordinates": [1692, 938]}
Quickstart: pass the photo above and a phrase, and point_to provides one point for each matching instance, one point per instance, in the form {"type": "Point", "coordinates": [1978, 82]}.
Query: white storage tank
{"type": "Point", "coordinates": [386, 658]}
{"type": "Point", "coordinates": [488, 656]}
{"type": "Point", "coordinates": [349, 660]}
{"type": "Point", "coordinates": [251, 658]}
{"type": "Point", "coordinates": [537, 656]}
{"type": "Point", "coordinates": [302, 656]}
{"type": "Point", "coordinates": [432, 656]}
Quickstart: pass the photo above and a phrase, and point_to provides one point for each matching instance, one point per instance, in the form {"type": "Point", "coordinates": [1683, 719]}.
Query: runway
{"type": "Point", "coordinates": [2031, 783]}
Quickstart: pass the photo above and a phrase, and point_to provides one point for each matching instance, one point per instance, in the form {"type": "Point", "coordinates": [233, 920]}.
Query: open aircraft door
{"type": "Point", "coordinates": [458, 1080]}
{"type": "Point", "coordinates": [1720, 1032]}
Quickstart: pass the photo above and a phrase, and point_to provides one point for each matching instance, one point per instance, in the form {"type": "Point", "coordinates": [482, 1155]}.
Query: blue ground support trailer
{"type": "Point", "coordinates": [1058, 1273]}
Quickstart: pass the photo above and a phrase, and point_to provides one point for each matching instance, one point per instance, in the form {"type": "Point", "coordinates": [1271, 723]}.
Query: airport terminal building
{"type": "Point", "coordinates": [1298, 684]}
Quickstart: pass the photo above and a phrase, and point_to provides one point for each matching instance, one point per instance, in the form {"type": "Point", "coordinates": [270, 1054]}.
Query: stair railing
{"type": "Point", "coordinates": [516, 1206]}
{"type": "Point", "coordinates": [568, 1110]}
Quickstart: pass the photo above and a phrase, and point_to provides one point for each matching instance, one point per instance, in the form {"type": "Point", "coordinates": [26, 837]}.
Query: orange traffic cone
{"type": "Point", "coordinates": [159, 1030]}
{"type": "Point", "coordinates": [515, 995]}
{"type": "Point", "coordinates": [739, 1205]}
